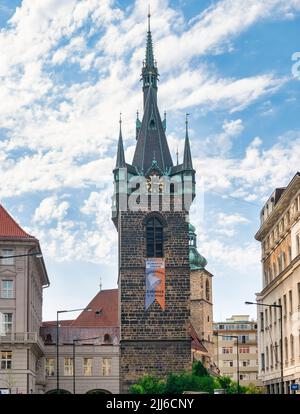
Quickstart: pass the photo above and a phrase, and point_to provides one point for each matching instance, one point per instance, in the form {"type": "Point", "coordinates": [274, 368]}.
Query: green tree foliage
{"type": "Point", "coordinates": [198, 380]}
{"type": "Point", "coordinates": [199, 369]}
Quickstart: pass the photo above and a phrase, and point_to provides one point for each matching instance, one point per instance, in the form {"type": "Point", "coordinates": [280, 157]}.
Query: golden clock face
{"type": "Point", "coordinates": [154, 185]}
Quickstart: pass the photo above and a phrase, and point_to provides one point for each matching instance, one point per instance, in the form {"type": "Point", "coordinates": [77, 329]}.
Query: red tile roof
{"type": "Point", "coordinates": [106, 302]}
{"type": "Point", "coordinates": [9, 228]}
{"type": "Point", "coordinates": [50, 324]}
{"type": "Point", "coordinates": [196, 342]}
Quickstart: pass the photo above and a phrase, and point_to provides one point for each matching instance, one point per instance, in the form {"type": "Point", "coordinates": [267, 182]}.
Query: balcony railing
{"type": "Point", "coordinates": [19, 338]}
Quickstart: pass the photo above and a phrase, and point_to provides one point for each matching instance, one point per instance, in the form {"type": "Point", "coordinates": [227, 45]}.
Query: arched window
{"type": "Point", "coordinates": [207, 290]}
{"type": "Point", "coordinates": [107, 339]}
{"type": "Point", "coordinates": [292, 346]}
{"type": "Point", "coordinates": [154, 235]}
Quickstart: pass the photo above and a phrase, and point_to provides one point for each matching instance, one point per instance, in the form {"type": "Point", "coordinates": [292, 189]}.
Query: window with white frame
{"type": "Point", "coordinates": [7, 289]}
{"type": "Point", "coordinates": [106, 366]}
{"type": "Point", "coordinates": [6, 360]}
{"type": "Point", "coordinates": [50, 367]}
{"type": "Point", "coordinates": [87, 366]}
{"type": "Point", "coordinates": [7, 259]}
{"type": "Point", "coordinates": [68, 366]}
{"type": "Point", "coordinates": [6, 323]}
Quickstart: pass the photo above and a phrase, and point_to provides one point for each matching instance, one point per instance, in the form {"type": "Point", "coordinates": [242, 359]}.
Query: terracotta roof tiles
{"type": "Point", "coordinates": [9, 228]}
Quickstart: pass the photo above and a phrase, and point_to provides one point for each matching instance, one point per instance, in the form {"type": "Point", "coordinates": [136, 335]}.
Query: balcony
{"type": "Point", "coordinates": [19, 338]}
{"type": "Point", "coordinates": [22, 338]}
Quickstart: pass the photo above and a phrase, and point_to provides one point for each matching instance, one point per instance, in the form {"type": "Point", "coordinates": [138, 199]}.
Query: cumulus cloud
{"type": "Point", "coordinates": [226, 223]}
{"type": "Point", "coordinates": [70, 67]}
{"type": "Point", "coordinates": [50, 209]}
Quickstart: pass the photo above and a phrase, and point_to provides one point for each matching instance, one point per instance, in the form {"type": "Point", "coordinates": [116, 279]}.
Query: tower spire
{"type": "Point", "coordinates": [120, 163]}
{"type": "Point", "coordinates": [149, 16]}
{"type": "Point", "coordinates": [187, 157]}
{"type": "Point", "coordinates": [149, 70]}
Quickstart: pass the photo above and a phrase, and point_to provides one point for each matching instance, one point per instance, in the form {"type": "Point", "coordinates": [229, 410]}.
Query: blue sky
{"type": "Point", "coordinates": [69, 68]}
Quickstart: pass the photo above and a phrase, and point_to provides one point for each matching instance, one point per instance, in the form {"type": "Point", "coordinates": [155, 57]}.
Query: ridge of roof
{"type": "Point", "coordinates": [9, 228]}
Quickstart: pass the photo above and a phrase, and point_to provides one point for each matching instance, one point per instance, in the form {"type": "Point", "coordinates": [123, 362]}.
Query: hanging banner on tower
{"type": "Point", "coordinates": [155, 282]}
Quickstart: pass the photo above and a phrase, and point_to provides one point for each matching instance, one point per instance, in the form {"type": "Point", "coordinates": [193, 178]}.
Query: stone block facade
{"type": "Point", "coordinates": [153, 340]}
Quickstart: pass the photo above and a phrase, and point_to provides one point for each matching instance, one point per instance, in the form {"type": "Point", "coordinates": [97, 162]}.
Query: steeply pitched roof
{"type": "Point", "coordinates": [9, 228]}
{"type": "Point", "coordinates": [152, 142]}
{"type": "Point", "coordinates": [187, 157]}
{"type": "Point", "coordinates": [120, 162]}
{"type": "Point", "coordinates": [196, 342]}
{"type": "Point", "coordinates": [104, 311]}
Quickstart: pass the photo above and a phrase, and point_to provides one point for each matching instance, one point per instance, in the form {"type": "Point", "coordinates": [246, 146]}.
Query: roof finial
{"type": "Point", "coordinates": [100, 284]}
{"type": "Point", "coordinates": [187, 158]}
{"type": "Point", "coordinates": [177, 153]}
{"type": "Point", "coordinates": [120, 120]}
{"type": "Point", "coordinates": [186, 121]}
{"type": "Point", "coordinates": [149, 16]}
{"type": "Point", "coordinates": [137, 114]}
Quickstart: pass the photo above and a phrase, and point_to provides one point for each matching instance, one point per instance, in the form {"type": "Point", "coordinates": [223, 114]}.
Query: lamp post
{"type": "Point", "coordinates": [281, 336]}
{"type": "Point", "coordinates": [74, 346]}
{"type": "Point", "coordinates": [57, 339]}
{"type": "Point", "coordinates": [237, 356]}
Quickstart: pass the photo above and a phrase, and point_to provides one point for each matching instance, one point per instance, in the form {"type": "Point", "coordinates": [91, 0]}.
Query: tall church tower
{"type": "Point", "coordinates": [151, 206]}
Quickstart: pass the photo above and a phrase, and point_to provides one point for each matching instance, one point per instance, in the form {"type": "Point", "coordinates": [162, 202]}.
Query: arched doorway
{"type": "Point", "coordinates": [56, 391]}
{"type": "Point", "coordinates": [98, 391]}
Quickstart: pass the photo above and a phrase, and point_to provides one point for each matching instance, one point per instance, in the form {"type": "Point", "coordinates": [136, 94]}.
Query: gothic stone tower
{"type": "Point", "coordinates": [154, 305]}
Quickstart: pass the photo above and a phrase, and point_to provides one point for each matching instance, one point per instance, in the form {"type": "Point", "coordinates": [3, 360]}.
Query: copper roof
{"type": "Point", "coordinates": [9, 228]}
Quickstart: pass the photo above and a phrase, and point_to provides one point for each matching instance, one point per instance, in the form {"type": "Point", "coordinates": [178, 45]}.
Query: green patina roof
{"type": "Point", "coordinates": [197, 261]}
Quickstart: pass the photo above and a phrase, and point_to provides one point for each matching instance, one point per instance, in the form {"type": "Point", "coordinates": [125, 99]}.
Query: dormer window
{"type": "Point", "coordinates": [152, 124]}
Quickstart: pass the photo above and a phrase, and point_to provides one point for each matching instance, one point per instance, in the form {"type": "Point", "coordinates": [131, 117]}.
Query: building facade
{"type": "Point", "coordinates": [22, 280]}
{"type": "Point", "coordinates": [150, 211]}
{"type": "Point", "coordinates": [279, 235]}
{"type": "Point", "coordinates": [237, 362]}
{"type": "Point", "coordinates": [94, 338]}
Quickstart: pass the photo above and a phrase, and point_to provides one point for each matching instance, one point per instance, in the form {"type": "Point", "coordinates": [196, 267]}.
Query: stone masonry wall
{"type": "Point", "coordinates": [165, 345]}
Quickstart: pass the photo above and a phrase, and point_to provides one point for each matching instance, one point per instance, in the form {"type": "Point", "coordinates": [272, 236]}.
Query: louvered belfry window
{"type": "Point", "coordinates": [154, 231]}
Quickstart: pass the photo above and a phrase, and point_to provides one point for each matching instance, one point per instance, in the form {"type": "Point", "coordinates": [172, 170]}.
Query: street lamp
{"type": "Point", "coordinates": [237, 356]}
{"type": "Point", "coordinates": [74, 344]}
{"type": "Point", "coordinates": [57, 339]}
{"type": "Point", "coordinates": [281, 335]}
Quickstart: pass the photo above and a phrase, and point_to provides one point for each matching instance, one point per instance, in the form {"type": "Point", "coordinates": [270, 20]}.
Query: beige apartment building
{"type": "Point", "coordinates": [279, 235]}
{"type": "Point", "coordinates": [225, 349]}
{"type": "Point", "coordinates": [28, 345]}
{"type": "Point", "coordinates": [22, 280]}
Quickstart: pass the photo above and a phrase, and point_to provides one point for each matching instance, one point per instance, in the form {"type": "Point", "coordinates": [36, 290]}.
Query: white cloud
{"type": "Point", "coordinates": [50, 209]}
{"type": "Point", "coordinates": [226, 223]}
